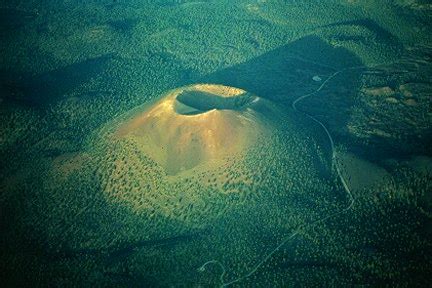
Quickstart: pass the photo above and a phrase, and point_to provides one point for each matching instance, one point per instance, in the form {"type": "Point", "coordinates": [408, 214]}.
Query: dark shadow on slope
{"type": "Point", "coordinates": [286, 73]}
{"type": "Point", "coordinates": [46, 88]}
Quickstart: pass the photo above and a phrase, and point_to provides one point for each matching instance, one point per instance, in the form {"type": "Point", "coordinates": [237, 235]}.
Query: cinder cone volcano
{"type": "Point", "coordinates": [192, 125]}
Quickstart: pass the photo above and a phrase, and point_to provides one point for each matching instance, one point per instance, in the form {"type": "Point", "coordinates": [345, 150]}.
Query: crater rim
{"type": "Point", "coordinates": [195, 102]}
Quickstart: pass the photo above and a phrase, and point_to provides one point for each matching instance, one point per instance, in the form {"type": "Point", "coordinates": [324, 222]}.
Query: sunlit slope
{"type": "Point", "coordinates": [192, 125]}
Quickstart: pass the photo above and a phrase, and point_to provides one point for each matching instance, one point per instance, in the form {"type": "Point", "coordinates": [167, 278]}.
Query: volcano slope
{"type": "Point", "coordinates": [188, 154]}
{"type": "Point", "coordinates": [193, 125]}
{"type": "Point", "coordinates": [127, 203]}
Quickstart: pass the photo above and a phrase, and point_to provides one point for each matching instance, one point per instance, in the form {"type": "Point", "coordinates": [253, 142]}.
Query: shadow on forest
{"type": "Point", "coordinates": [12, 19]}
{"type": "Point", "coordinates": [368, 24]}
{"type": "Point", "coordinates": [286, 73]}
{"type": "Point", "coordinates": [45, 88]}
